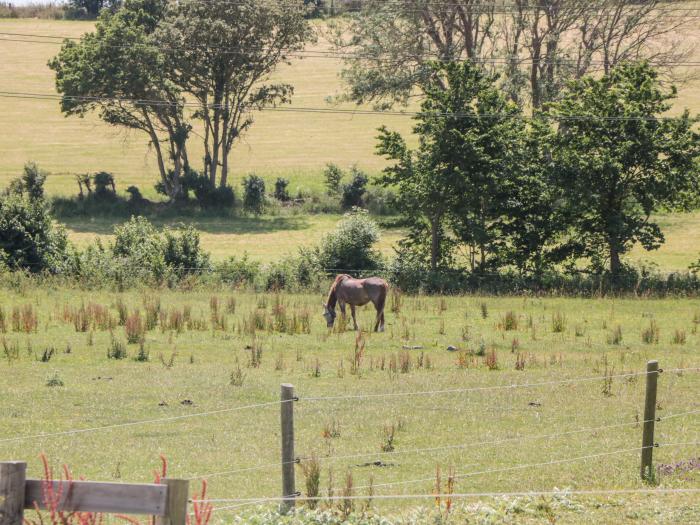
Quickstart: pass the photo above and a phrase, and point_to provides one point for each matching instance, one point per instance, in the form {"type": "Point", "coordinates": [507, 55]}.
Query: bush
{"type": "Point", "coordinates": [104, 186]}
{"type": "Point", "coordinates": [281, 192]}
{"type": "Point", "coordinates": [33, 180]}
{"type": "Point", "coordinates": [138, 243]}
{"type": "Point", "coordinates": [333, 176]}
{"type": "Point", "coordinates": [207, 195]}
{"type": "Point", "coordinates": [183, 252]}
{"type": "Point", "coordinates": [354, 192]}
{"type": "Point", "coordinates": [238, 272]}
{"type": "Point", "coordinates": [254, 194]}
{"type": "Point", "coordinates": [350, 247]}
{"type": "Point", "coordinates": [381, 201]}
{"type": "Point", "coordinates": [28, 237]}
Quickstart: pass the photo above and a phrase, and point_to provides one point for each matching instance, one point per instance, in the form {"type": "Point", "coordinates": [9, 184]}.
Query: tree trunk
{"type": "Point", "coordinates": [615, 263]}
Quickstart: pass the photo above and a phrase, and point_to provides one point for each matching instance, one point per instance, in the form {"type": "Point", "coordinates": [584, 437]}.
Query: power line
{"type": "Point", "coordinates": [330, 111]}
{"type": "Point", "coordinates": [336, 55]}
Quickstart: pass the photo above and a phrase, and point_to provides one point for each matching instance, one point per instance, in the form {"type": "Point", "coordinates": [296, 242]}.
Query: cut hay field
{"type": "Point", "coordinates": [497, 439]}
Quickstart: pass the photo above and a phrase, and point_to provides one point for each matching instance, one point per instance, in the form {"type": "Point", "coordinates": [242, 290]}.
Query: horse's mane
{"type": "Point", "coordinates": [332, 297]}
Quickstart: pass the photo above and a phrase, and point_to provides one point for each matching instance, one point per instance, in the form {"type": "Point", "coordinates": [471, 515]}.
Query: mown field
{"type": "Point", "coordinates": [205, 355]}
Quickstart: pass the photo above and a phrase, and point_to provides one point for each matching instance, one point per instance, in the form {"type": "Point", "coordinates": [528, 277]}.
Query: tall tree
{"type": "Point", "coordinates": [222, 54]}
{"type": "Point", "coordinates": [620, 160]}
{"type": "Point", "coordinates": [537, 45]}
{"type": "Point", "coordinates": [456, 181]}
{"type": "Point", "coordinates": [119, 72]}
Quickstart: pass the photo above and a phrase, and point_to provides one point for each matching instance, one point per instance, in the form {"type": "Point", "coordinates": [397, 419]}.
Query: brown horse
{"type": "Point", "coordinates": [356, 292]}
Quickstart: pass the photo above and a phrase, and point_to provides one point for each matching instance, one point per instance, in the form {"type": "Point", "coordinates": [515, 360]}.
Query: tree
{"type": "Point", "coordinates": [28, 237]}
{"type": "Point", "coordinates": [458, 178]}
{"type": "Point", "coordinates": [619, 161]}
{"type": "Point", "coordinates": [222, 54]}
{"type": "Point", "coordinates": [118, 72]}
{"type": "Point", "coordinates": [91, 8]}
{"type": "Point", "coordinates": [537, 45]}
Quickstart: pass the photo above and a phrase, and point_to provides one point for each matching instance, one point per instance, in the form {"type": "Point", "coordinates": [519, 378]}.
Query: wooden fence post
{"type": "Point", "coordinates": [175, 503]}
{"type": "Point", "coordinates": [13, 476]}
{"type": "Point", "coordinates": [288, 460]}
{"type": "Point", "coordinates": [649, 420]}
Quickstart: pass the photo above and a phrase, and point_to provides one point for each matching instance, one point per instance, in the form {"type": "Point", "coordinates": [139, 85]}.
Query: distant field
{"type": "Point", "coordinates": [292, 145]}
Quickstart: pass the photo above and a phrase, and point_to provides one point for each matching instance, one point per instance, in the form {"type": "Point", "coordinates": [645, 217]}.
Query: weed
{"type": "Point", "coordinates": [462, 359]}
{"type": "Point", "coordinates": [170, 362]}
{"type": "Point", "coordinates": [579, 330]}
{"type": "Point", "coordinates": [441, 329]}
{"type": "Point", "coordinates": [347, 504]}
{"type": "Point", "coordinates": [116, 350]}
{"type": "Point", "coordinates": [237, 377]}
{"type": "Point", "coordinates": [484, 310]}
{"type": "Point", "coordinates": [47, 354]}
{"type": "Point", "coordinates": [388, 438]}
{"type": "Point", "coordinates": [152, 309]}
{"type": "Point", "coordinates": [491, 360]}
{"type": "Point", "coordinates": [54, 380]}
{"type": "Point", "coordinates": [279, 362]}
{"type": "Point", "coordinates": [231, 305]}
{"type": "Point", "coordinates": [316, 370]}
{"type": "Point", "coordinates": [122, 312]}
{"type": "Point", "coordinates": [358, 354]}
{"type": "Point", "coordinates": [134, 328]}
{"type": "Point", "coordinates": [395, 300]}
{"type": "Point", "coordinates": [650, 335]}
{"type": "Point", "coordinates": [520, 362]}
{"type": "Point", "coordinates": [3, 323]}
{"type": "Point", "coordinates": [442, 305]}
{"type": "Point", "coordinates": [81, 320]}
{"type": "Point", "coordinates": [679, 337]}
{"type": "Point", "coordinates": [607, 378]}
{"type": "Point", "coordinates": [11, 350]}
{"type": "Point", "coordinates": [214, 305]}
{"type": "Point", "coordinates": [514, 345]}
{"type": "Point", "coordinates": [311, 469]}
{"type": "Point", "coordinates": [615, 337]}
{"type": "Point", "coordinates": [509, 321]}
{"type": "Point", "coordinates": [143, 355]}
{"type": "Point", "coordinates": [558, 322]}
{"type": "Point", "coordinates": [481, 350]}
{"type": "Point", "coordinates": [331, 430]}
{"type": "Point", "coordinates": [405, 362]}
{"type": "Point", "coordinates": [255, 353]}
{"type": "Point", "coordinates": [465, 333]}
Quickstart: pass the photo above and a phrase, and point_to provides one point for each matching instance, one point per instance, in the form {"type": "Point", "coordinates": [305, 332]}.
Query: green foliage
{"type": "Point", "coordinates": [623, 162]}
{"type": "Point", "coordinates": [254, 194]}
{"type": "Point", "coordinates": [238, 271]}
{"type": "Point", "coordinates": [183, 253]}
{"type": "Point", "coordinates": [208, 196]}
{"type": "Point", "coordinates": [333, 177]}
{"type": "Point", "coordinates": [350, 248]}
{"type": "Point", "coordinates": [281, 191]}
{"type": "Point", "coordinates": [32, 181]}
{"type": "Point", "coordinates": [353, 193]}
{"type": "Point", "coordinates": [28, 237]}
{"type": "Point", "coordinates": [104, 185]}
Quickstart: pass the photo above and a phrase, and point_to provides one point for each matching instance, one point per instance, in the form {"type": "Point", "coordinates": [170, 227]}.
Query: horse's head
{"type": "Point", "coordinates": [329, 315]}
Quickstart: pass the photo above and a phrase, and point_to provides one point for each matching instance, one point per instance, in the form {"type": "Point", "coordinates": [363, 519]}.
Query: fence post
{"type": "Point", "coordinates": [13, 477]}
{"type": "Point", "coordinates": [288, 460]}
{"type": "Point", "coordinates": [175, 502]}
{"type": "Point", "coordinates": [649, 420]}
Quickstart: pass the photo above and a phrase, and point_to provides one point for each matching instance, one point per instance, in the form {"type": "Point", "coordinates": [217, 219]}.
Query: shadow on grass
{"type": "Point", "coordinates": [209, 225]}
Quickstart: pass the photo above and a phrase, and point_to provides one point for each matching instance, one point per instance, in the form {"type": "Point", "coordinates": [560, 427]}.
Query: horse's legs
{"type": "Point", "coordinates": [342, 309]}
{"type": "Point", "coordinates": [379, 322]}
{"type": "Point", "coordinates": [354, 321]}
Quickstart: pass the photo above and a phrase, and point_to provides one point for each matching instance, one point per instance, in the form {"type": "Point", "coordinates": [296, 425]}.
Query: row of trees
{"type": "Point", "coordinates": [489, 188]}
{"type": "Point", "coordinates": [536, 45]}
{"type": "Point", "coordinates": [159, 67]}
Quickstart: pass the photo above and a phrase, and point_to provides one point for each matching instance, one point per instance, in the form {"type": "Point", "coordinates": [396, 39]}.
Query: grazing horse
{"type": "Point", "coordinates": [356, 292]}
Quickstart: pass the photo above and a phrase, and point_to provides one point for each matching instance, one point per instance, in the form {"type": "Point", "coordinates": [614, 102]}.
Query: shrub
{"type": "Point", "coordinates": [33, 180]}
{"type": "Point", "coordinates": [351, 246]}
{"type": "Point", "coordinates": [238, 271]}
{"type": "Point", "coordinates": [254, 194]}
{"type": "Point", "coordinates": [381, 201]}
{"type": "Point", "coordinates": [28, 237]}
{"type": "Point", "coordinates": [138, 242]}
{"type": "Point", "coordinates": [333, 176]}
{"type": "Point", "coordinates": [281, 192]}
{"type": "Point", "coordinates": [104, 186]}
{"type": "Point", "coordinates": [354, 192]}
{"type": "Point", "coordinates": [183, 252]}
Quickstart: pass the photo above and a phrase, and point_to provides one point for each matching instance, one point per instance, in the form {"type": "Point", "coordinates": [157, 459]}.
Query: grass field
{"type": "Point", "coordinates": [214, 369]}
